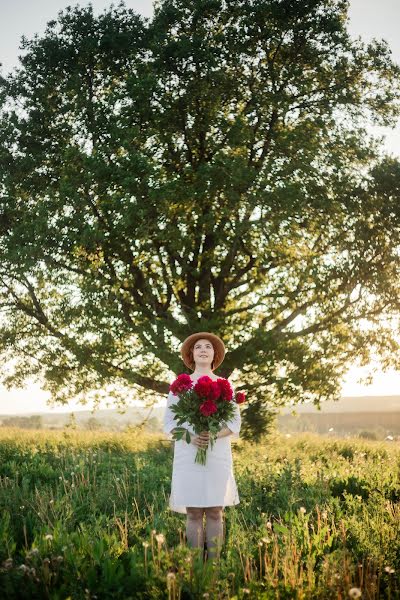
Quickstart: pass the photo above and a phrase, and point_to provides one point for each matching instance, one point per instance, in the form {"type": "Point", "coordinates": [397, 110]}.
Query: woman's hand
{"type": "Point", "coordinates": [201, 440]}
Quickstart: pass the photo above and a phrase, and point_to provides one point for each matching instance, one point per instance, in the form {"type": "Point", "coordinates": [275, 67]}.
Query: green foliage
{"type": "Point", "coordinates": [208, 169]}
{"type": "Point", "coordinates": [103, 523]}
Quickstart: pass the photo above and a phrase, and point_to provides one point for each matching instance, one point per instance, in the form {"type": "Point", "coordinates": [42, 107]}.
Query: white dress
{"type": "Point", "coordinates": [193, 484]}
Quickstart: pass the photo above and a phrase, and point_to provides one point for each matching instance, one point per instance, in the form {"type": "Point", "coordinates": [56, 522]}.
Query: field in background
{"type": "Point", "coordinates": [85, 515]}
{"type": "Point", "coordinates": [368, 417]}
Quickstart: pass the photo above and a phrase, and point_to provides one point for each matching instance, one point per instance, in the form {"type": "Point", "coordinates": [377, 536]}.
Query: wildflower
{"type": "Point", "coordinates": [160, 538]}
{"type": "Point", "coordinates": [266, 540]}
{"type": "Point", "coordinates": [206, 595]}
{"type": "Point", "coordinates": [389, 570]}
{"type": "Point", "coordinates": [23, 568]}
{"type": "Point", "coordinates": [269, 525]}
{"type": "Point", "coordinates": [324, 514]}
{"type": "Point", "coordinates": [246, 591]}
{"type": "Point", "coordinates": [260, 543]}
{"type": "Point", "coordinates": [7, 564]}
{"type": "Point", "coordinates": [48, 536]}
{"type": "Point", "coordinates": [51, 501]}
{"type": "Point", "coordinates": [355, 593]}
{"type": "Point", "coordinates": [146, 544]}
{"type": "Point", "coordinates": [171, 581]}
{"type": "Point", "coordinates": [153, 532]}
{"type": "Point", "coordinates": [302, 510]}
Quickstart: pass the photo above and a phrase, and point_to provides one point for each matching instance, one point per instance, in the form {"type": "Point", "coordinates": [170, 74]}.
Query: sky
{"type": "Point", "coordinates": [368, 19]}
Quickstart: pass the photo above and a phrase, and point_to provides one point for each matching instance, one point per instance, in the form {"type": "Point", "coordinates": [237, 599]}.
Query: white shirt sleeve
{"type": "Point", "coordinates": [235, 423]}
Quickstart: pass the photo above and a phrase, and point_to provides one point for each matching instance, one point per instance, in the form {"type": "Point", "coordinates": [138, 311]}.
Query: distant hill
{"type": "Point", "coordinates": [104, 418]}
{"type": "Point", "coordinates": [350, 404]}
{"type": "Point", "coordinates": [352, 415]}
{"type": "Point", "coordinates": [374, 417]}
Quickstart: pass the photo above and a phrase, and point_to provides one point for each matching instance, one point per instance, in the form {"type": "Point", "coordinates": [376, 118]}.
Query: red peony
{"type": "Point", "coordinates": [203, 386]}
{"type": "Point", "coordinates": [181, 384]}
{"type": "Point", "coordinates": [215, 391]}
{"type": "Point", "coordinates": [240, 398]}
{"type": "Point", "coordinates": [208, 408]}
{"type": "Point", "coordinates": [225, 389]}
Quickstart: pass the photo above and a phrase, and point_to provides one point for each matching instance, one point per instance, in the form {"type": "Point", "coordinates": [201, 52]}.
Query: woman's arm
{"type": "Point", "coordinates": [169, 416]}
{"type": "Point", "coordinates": [234, 424]}
{"type": "Point", "coordinates": [224, 432]}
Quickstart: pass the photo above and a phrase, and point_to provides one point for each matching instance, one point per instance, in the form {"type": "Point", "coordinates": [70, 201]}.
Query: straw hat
{"type": "Point", "coordinates": [219, 348]}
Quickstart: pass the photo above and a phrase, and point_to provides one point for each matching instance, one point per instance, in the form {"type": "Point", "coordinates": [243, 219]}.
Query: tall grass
{"type": "Point", "coordinates": [85, 515]}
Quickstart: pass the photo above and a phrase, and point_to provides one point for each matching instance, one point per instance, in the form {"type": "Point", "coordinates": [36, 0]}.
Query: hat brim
{"type": "Point", "coordinates": [192, 339]}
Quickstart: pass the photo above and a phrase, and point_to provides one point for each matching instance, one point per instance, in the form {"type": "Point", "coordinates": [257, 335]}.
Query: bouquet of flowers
{"type": "Point", "coordinates": [205, 405]}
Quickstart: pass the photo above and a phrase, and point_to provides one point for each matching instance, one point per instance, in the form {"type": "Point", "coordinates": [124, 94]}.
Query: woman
{"type": "Point", "coordinates": [203, 489]}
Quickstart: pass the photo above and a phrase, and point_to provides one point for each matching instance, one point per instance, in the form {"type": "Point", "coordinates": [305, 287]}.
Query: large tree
{"type": "Point", "coordinates": [209, 169]}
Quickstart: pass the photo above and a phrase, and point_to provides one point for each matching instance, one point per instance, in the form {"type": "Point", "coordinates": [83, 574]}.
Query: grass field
{"type": "Point", "coordinates": [85, 515]}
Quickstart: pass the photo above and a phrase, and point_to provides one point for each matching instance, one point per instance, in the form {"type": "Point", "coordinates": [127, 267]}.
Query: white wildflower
{"type": "Point", "coordinates": [355, 592]}
{"type": "Point", "coordinates": [23, 568]}
{"type": "Point", "coordinates": [389, 570]}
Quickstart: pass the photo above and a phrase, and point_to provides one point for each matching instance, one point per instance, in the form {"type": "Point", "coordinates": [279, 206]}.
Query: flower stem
{"type": "Point", "coordinates": [201, 456]}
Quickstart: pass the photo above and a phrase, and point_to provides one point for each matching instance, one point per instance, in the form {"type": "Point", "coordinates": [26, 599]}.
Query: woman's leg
{"type": "Point", "coordinates": [214, 530]}
{"type": "Point", "coordinates": [194, 527]}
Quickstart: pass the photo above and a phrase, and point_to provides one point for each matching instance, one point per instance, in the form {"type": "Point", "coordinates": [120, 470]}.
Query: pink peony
{"type": "Point", "coordinates": [181, 384]}
{"type": "Point", "coordinates": [208, 408]}
{"type": "Point", "coordinates": [240, 398]}
{"type": "Point", "coordinates": [203, 386]}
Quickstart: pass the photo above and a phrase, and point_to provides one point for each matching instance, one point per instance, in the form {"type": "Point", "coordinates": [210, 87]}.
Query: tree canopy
{"type": "Point", "coordinates": [208, 169]}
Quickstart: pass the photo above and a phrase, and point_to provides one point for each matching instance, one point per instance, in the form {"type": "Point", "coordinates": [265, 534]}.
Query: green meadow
{"type": "Point", "coordinates": [85, 515]}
